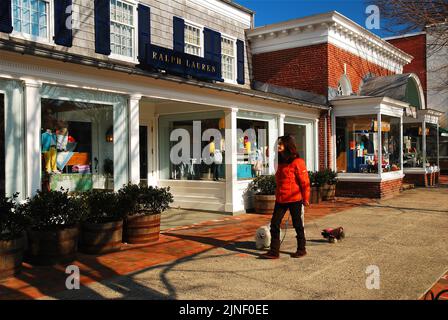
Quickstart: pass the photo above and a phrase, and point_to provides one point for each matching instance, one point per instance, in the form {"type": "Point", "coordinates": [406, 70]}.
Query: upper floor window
{"type": "Point", "coordinates": [344, 86]}
{"type": "Point", "coordinates": [193, 40]}
{"type": "Point", "coordinates": [228, 58]}
{"type": "Point", "coordinates": [122, 28]}
{"type": "Point", "coordinates": [31, 18]}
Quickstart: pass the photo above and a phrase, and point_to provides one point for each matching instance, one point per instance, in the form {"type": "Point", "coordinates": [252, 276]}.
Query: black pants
{"type": "Point", "coordinates": [295, 208]}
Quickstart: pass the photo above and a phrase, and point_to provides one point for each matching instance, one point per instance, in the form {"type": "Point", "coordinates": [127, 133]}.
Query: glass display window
{"type": "Point", "coordinates": [77, 145]}
{"type": "Point", "coordinates": [432, 150]}
{"type": "Point", "coordinates": [2, 145]}
{"type": "Point", "coordinates": [252, 148]}
{"type": "Point", "coordinates": [391, 144]}
{"type": "Point", "coordinates": [192, 147]}
{"type": "Point", "coordinates": [412, 145]}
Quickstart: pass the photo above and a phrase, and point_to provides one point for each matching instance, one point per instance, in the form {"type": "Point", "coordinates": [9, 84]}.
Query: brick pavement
{"type": "Point", "coordinates": [177, 243]}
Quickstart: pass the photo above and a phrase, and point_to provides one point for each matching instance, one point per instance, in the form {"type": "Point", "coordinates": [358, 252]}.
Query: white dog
{"type": "Point", "coordinates": [263, 237]}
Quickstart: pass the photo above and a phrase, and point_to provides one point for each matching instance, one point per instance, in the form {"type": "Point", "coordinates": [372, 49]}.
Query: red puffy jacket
{"type": "Point", "coordinates": [293, 182]}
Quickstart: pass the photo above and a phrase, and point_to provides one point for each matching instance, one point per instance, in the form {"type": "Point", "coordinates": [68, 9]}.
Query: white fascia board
{"type": "Point", "coordinates": [226, 10]}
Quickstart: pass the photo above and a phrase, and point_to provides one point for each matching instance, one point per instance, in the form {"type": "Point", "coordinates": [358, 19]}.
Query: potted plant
{"type": "Point", "coordinates": [54, 227]}
{"type": "Point", "coordinates": [263, 188]}
{"type": "Point", "coordinates": [12, 236]}
{"type": "Point", "coordinates": [102, 228]}
{"type": "Point", "coordinates": [145, 205]}
{"type": "Point", "coordinates": [316, 180]}
{"type": "Point", "coordinates": [328, 188]}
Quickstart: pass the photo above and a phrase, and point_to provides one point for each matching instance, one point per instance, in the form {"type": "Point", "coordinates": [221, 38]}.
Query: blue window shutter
{"type": "Point", "coordinates": [102, 27]}
{"type": "Point", "coordinates": [144, 31]}
{"type": "Point", "coordinates": [178, 34]}
{"type": "Point", "coordinates": [5, 16]}
{"type": "Point", "coordinates": [240, 61]}
{"type": "Point", "coordinates": [62, 35]}
{"type": "Point", "coordinates": [212, 48]}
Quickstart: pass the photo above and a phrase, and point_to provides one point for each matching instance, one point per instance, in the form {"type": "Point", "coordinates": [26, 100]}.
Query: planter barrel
{"type": "Point", "coordinates": [11, 257]}
{"type": "Point", "coordinates": [97, 238]}
{"type": "Point", "coordinates": [142, 229]}
{"type": "Point", "coordinates": [264, 204]}
{"type": "Point", "coordinates": [315, 195]}
{"type": "Point", "coordinates": [328, 192]}
{"type": "Point", "coordinates": [52, 247]}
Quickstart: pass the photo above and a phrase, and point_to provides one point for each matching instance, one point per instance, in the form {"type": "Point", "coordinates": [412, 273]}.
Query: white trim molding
{"type": "Point", "coordinates": [332, 28]}
{"type": "Point", "coordinates": [224, 9]}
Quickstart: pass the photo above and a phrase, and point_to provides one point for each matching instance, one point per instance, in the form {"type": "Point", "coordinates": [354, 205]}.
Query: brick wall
{"type": "Point", "coordinates": [322, 163]}
{"type": "Point", "coordinates": [298, 68]}
{"type": "Point", "coordinates": [415, 46]}
{"type": "Point", "coordinates": [357, 68]}
{"type": "Point", "coordinates": [313, 68]}
{"type": "Point", "coordinates": [376, 190]}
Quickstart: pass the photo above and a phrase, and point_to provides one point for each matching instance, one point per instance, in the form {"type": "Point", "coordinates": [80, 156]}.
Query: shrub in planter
{"type": "Point", "coordinates": [328, 189]}
{"type": "Point", "coordinates": [315, 181]}
{"type": "Point", "coordinates": [12, 240]}
{"type": "Point", "coordinates": [102, 228]}
{"type": "Point", "coordinates": [145, 205]}
{"type": "Point", "coordinates": [263, 188]}
{"type": "Point", "coordinates": [53, 234]}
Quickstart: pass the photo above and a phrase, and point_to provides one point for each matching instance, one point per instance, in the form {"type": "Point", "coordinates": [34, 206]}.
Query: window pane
{"type": "Point", "coordinates": [122, 30]}
{"type": "Point", "coordinates": [431, 145]}
{"type": "Point", "coordinates": [77, 145]}
{"type": "Point", "coordinates": [412, 145]}
{"type": "Point", "coordinates": [30, 17]}
{"type": "Point", "coordinates": [179, 162]}
{"type": "Point", "coordinates": [390, 135]}
{"type": "Point", "coordinates": [357, 144]}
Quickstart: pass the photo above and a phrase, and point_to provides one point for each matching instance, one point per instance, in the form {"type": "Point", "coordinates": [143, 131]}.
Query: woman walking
{"type": "Point", "coordinates": [292, 192]}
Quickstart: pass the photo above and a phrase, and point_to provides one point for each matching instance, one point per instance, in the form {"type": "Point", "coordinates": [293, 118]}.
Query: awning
{"type": "Point", "coordinates": [402, 87]}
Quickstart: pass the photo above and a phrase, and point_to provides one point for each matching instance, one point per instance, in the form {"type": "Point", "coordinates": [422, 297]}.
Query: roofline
{"type": "Point", "coordinates": [372, 99]}
{"type": "Point", "coordinates": [239, 6]}
{"type": "Point", "coordinates": [407, 35]}
{"type": "Point", "coordinates": [92, 62]}
{"type": "Point", "coordinates": [329, 18]}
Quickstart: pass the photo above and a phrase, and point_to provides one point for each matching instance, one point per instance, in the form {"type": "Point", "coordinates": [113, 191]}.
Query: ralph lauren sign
{"type": "Point", "coordinates": [182, 63]}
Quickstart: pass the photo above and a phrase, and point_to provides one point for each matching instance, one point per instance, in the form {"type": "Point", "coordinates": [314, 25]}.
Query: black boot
{"type": "Point", "coordinates": [274, 251]}
{"type": "Point", "coordinates": [301, 251]}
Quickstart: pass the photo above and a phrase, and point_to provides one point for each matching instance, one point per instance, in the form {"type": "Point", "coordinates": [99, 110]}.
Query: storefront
{"type": "Point", "coordinates": [367, 135]}
{"type": "Point", "coordinates": [421, 148]}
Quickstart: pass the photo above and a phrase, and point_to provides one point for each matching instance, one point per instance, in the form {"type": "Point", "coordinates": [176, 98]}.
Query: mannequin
{"type": "Point", "coordinates": [48, 140]}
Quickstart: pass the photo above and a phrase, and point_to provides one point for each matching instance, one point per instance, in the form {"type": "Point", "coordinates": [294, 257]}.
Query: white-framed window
{"type": "Point", "coordinates": [32, 19]}
{"type": "Point", "coordinates": [228, 59]}
{"type": "Point", "coordinates": [344, 86]}
{"type": "Point", "coordinates": [193, 39]}
{"type": "Point", "coordinates": [123, 30]}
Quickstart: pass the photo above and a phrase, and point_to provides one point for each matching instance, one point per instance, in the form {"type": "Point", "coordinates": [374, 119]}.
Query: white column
{"type": "Point", "coordinates": [316, 145]}
{"type": "Point", "coordinates": [401, 143]}
{"type": "Point", "coordinates": [121, 144]}
{"type": "Point", "coordinates": [33, 160]}
{"type": "Point", "coordinates": [232, 196]}
{"type": "Point", "coordinates": [281, 124]}
{"type": "Point", "coordinates": [380, 147]}
{"type": "Point", "coordinates": [134, 138]}
{"type": "Point", "coordinates": [424, 143]}
{"type": "Point", "coordinates": [15, 179]}
{"type": "Point", "coordinates": [333, 139]}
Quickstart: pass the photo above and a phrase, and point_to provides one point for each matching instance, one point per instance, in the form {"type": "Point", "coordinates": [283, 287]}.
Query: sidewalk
{"type": "Point", "coordinates": [175, 244]}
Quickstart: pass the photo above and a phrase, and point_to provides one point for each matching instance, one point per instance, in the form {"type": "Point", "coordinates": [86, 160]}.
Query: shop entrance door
{"type": "Point", "coordinates": [2, 146]}
{"type": "Point", "coordinates": [299, 134]}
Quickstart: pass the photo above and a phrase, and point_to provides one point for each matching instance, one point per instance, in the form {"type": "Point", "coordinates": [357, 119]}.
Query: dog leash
{"type": "Point", "coordinates": [286, 228]}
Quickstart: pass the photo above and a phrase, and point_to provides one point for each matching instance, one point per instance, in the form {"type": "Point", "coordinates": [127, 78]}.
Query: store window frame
{"type": "Point", "coordinates": [375, 107]}
{"type": "Point", "coordinates": [234, 57]}
{"type": "Point", "coordinates": [188, 44]}
{"type": "Point", "coordinates": [48, 39]}
{"type": "Point", "coordinates": [311, 141]}
{"type": "Point", "coordinates": [134, 30]}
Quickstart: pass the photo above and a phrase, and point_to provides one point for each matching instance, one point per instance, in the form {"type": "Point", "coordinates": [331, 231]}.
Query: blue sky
{"type": "Point", "coordinates": [271, 11]}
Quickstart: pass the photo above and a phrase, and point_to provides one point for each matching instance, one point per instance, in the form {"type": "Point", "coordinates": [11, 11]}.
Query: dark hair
{"type": "Point", "coordinates": [290, 152]}
{"type": "Point", "coordinates": [212, 138]}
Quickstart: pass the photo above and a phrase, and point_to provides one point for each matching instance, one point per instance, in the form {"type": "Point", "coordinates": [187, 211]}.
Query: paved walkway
{"type": "Point", "coordinates": [405, 237]}
{"type": "Point", "coordinates": [176, 244]}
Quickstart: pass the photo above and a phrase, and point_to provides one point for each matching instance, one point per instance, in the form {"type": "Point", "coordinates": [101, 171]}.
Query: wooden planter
{"type": "Point", "coordinates": [98, 238]}
{"type": "Point", "coordinates": [142, 229]}
{"type": "Point", "coordinates": [52, 247]}
{"type": "Point", "coordinates": [328, 192]}
{"type": "Point", "coordinates": [264, 204]}
{"type": "Point", "coordinates": [11, 257]}
{"type": "Point", "coordinates": [315, 196]}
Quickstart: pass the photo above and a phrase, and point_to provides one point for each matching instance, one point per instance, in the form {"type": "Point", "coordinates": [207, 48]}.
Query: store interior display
{"type": "Point", "coordinates": [357, 144]}
{"type": "Point", "coordinates": [252, 148]}
{"type": "Point", "coordinates": [72, 135]}
{"type": "Point", "coordinates": [2, 146]}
